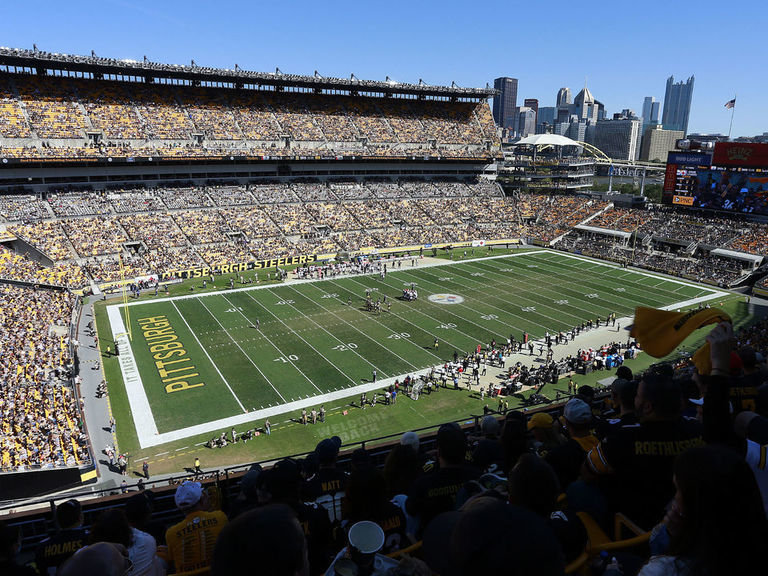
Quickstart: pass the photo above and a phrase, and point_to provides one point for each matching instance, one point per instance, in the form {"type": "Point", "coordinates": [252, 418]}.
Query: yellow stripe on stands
{"type": "Point", "coordinates": [90, 475]}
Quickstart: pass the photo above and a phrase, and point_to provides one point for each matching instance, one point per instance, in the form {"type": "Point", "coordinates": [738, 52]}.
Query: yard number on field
{"type": "Point", "coordinates": [343, 347]}
{"type": "Point", "coordinates": [399, 335]}
{"type": "Point", "coordinates": [286, 359]}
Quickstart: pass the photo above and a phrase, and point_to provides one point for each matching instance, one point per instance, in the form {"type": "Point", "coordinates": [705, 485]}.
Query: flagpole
{"type": "Point", "coordinates": [733, 109]}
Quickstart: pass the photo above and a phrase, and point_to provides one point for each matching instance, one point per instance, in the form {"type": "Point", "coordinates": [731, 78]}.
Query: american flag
{"type": "Point", "coordinates": [730, 103]}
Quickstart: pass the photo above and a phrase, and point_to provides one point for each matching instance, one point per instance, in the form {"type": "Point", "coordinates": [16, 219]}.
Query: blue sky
{"type": "Point", "coordinates": [626, 51]}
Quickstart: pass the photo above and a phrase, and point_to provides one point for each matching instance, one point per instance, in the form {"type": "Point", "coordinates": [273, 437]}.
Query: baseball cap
{"type": "Point", "coordinates": [489, 425]}
{"type": "Point", "coordinates": [328, 449]}
{"type": "Point", "coordinates": [250, 479]}
{"type": "Point", "coordinates": [188, 494]}
{"type": "Point", "coordinates": [577, 412]}
{"type": "Point", "coordinates": [410, 439]}
{"type": "Point", "coordinates": [540, 420]}
{"type": "Point", "coordinates": [283, 479]}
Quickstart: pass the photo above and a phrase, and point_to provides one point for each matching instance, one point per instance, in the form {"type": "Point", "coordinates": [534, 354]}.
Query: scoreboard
{"type": "Point", "coordinates": [681, 177]}
{"type": "Point", "coordinates": [734, 178]}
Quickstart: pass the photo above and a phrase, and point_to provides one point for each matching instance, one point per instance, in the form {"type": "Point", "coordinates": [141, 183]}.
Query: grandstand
{"type": "Point", "coordinates": [123, 176]}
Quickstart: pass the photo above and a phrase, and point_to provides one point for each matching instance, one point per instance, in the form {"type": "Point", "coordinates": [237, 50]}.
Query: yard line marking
{"type": "Point", "coordinates": [465, 320]}
{"type": "Point", "coordinates": [555, 294]}
{"type": "Point", "coordinates": [339, 370]}
{"type": "Point", "coordinates": [357, 329]}
{"type": "Point", "coordinates": [244, 353]}
{"type": "Point", "coordinates": [430, 332]}
{"type": "Point", "coordinates": [615, 266]}
{"type": "Point", "coordinates": [215, 367]}
{"type": "Point", "coordinates": [565, 275]}
{"type": "Point", "coordinates": [268, 339]}
{"type": "Point", "coordinates": [334, 337]}
{"type": "Point", "coordinates": [505, 308]}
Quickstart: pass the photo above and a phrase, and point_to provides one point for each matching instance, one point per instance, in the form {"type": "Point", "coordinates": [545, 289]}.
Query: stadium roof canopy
{"type": "Point", "coordinates": [13, 59]}
{"type": "Point", "coordinates": [547, 140]}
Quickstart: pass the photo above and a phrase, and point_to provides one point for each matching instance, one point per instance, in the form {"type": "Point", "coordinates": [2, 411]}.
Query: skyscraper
{"type": "Point", "coordinates": [650, 111]}
{"type": "Point", "coordinates": [618, 139]}
{"type": "Point", "coordinates": [533, 103]}
{"type": "Point", "coordinates": [505, 103]}
{"type": "Point", "coordinates": [563, 97]}
{"type": "Point", "coordinates": [677, 104]}
{"type": "Point", "coordinates": [526, 121]}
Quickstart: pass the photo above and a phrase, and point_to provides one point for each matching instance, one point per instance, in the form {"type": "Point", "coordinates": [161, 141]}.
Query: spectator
{"type": "Point", "coordinates": [489, 536]}
{"type": "Point", "coordinates": [488, 453]}
{"type": "Point", "coordinates": [103, 558]}
{"type": "Point", "coordinates": [533, 485]}
{"type": "Point", "coordinates": [623, 394]}
{"type": "Point", "coordinates": [268, 541]}
{"type": "Point", "coordinates": [716, 524]}
{"type": "Point", "coordinates": [191, 541]}
{"type": "Point", "coordinates": [248, 498]}
{"type": "Point", "coordinates": [641, 457]}
{"type": "Point", "coordinates": [401, 468]}
{"type": "Point", "coordinates": [567, 459]}
{"type": "Point", "coordinates": [143, 549]}
{"type": "Point", "coordinates": [282, 484]}
{"type": "Point", "coordinates": [513, 438]}
{"type": "Point", "coordinates": [70, 537]}
{"type": "Point", "coordinates": [10, 543]}
{"type": "Point", "coordinates": [436, 491]}
{"type": "Point", "coordinates": [329, 479]}
{"type": "Point", "coordinates": [545, 436]}
{"type": "Point", "coordinates": [366, 499]}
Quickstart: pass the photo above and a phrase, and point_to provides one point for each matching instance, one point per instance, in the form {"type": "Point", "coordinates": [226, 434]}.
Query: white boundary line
{"type": "Point", "coordinates": [207, 355]}
{"type": "Point", "coordinates": [295, 406]}
{"type": "Point", "coordinates": [134, 388]}
{"type": "Point", "coordinates": [146, 428]}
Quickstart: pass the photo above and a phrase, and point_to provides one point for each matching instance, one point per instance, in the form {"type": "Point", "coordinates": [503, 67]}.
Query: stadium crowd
{"type": "Point", "coordinates": [166, 228]}
{"type": "Point", "coordinates": [138, 119]}
{"type": "Point", "coordinates": [42, 426]}
{"type": "Point", "coordinates": [675, 451]}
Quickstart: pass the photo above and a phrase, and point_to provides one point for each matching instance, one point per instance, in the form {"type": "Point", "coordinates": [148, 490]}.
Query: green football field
{"type": "Point", "coordinates": [202, 363]}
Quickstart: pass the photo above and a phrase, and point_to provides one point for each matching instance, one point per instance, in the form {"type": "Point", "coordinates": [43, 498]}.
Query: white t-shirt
{"type": "Point", "coordinates": [143, 554]}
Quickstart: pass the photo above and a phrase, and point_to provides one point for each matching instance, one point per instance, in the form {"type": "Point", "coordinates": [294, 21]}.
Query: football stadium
{"type": "Point", "coordinates": [242, 298]}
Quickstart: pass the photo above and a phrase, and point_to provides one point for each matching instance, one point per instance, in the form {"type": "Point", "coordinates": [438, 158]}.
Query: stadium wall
{"type": "Point", "coordinates": [41, 177]}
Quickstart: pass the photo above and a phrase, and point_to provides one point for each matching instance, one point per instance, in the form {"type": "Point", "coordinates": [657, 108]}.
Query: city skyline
{"type": "Point", "coordinates": [624, 56]}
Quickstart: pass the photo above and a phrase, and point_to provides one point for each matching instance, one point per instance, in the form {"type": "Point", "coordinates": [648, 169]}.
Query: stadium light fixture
{"type": "Point", "coordinates": [277, 71]}
{"type": "Point", "coordinates": [421, 82]}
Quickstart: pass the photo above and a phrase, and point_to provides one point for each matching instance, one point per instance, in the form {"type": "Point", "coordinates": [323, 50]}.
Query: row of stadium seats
{"type": "Point", "coordinates": [65, 108]}
{"type": "Point", "coordinates": [199, 225]}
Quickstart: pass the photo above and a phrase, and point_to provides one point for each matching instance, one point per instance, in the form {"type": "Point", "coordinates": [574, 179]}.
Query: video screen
{"type": "Point", "coordinates": [719, 188]}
